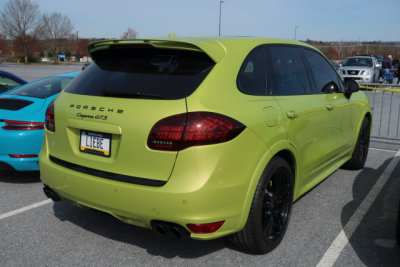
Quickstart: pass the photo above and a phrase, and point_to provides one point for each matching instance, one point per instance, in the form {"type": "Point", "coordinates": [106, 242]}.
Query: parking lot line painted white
{"type": "Point", "coordinates": [15, 212]}
{"type": "Point", "coordinates": [337, 246]}
{"type": "Point", "coordinates": [384, 150]}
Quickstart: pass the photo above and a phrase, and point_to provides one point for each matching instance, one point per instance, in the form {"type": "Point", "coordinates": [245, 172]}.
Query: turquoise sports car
{"type": "Point", "coordinates": [22, 112]}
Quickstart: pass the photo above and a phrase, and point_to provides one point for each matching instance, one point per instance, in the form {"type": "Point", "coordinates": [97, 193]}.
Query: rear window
{"type": "Point", "coordinates": [144, 72]}
{"type": "Point", "coordinates": [43, 88]}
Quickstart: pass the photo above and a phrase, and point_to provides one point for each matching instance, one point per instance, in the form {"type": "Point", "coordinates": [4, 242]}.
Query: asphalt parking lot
{"type": "Point", "coordinates": [36, 71]}
{"type": "Point", "coordinates": [347, 220]}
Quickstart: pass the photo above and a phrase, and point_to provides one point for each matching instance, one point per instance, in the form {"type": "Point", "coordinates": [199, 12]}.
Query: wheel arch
{"type": "Point", "coordinates": [369, 116]}
{"type": "Point", "coordinates": [282, 149]}
{"type": "Point", "coordinates": [290, 158]}
{"type": "Point", "coordinates": [366, 114]}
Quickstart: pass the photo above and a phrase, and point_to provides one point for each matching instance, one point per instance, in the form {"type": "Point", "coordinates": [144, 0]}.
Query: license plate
{"type": "Point", "coordinates": [95, 143]}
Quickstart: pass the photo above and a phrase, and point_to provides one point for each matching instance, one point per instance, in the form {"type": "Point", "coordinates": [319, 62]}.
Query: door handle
{"type": "Point", "coordinates": [329, 107]}
{"type": "Point", "coordinates": [291, 114]}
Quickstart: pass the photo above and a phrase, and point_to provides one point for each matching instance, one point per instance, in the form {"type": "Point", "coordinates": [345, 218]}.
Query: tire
{"type": "Point", "coordinates": [398, 227]}
{"type": "Point", "coordinates": [360, 152]}
{"type": "Point", "coordinates": [270, 210]}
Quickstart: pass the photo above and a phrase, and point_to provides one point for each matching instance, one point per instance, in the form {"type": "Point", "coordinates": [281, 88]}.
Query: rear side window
{"type": "Point", "coordinates": [7, 83]}
{"type": "Point", "coordinates": [288, 71]}
{"type": "Point", "coordinates": [325, 76]}
{"type": "Point", "coordinates": [252, 76]}
{"type": "Point", "coordinates": [43, 88]}
{"type": "Point", "coordinates": [143, 72]}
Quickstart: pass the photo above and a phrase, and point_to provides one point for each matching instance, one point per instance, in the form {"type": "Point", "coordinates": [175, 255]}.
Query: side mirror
{"type": "Point", "coordinates": [330, 88]}
{"type": "Point", "coordinates": [350, 86]}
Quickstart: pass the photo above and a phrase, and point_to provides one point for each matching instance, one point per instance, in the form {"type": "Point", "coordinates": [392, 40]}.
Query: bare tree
{"type": "Point", "coordinates": [129, 34]}
{"type": "Point", "coordinates": [56, 27]}
{"type": "Point", "coordinates": [20, 20]}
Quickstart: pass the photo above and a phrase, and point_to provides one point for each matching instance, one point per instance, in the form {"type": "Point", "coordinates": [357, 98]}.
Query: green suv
{"type": "Point", "coordinates": [202, 137]}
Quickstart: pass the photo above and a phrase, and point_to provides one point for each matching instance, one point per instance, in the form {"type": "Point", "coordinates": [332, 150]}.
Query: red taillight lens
{"type": "Point", "coordinates": [205, 228]}
{"type": "Point", "coordinates": [49, 118]}
{"type": "Point", "coordinates": [193, 129]}
{"type": "Point", "coordinates": [22, 125]}
{"type": "Point", "coordinates": [167, 133]}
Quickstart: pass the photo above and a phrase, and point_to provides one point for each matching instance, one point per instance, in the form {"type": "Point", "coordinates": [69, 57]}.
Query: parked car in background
{"type": "Point", "coordinates": [203, 144]}
{"type": "Point", "coordinates": [45, 60]}
{"type": "Point", "coordinates": [22, 113]}
{"type": "Point", "coordinates": [9, 81]}
{"type": "Point", "coordinates": [379, 60]}
{"type": "Point", "coordinates": [360, 68]}
{"type": "Point", "coordinates": [85, 65]}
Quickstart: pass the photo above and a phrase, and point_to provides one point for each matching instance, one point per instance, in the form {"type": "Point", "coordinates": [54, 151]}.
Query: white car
{"type": "Point", "coordinates": [45, 59]}
{"type": "Point", "coordinates": [360, 68]}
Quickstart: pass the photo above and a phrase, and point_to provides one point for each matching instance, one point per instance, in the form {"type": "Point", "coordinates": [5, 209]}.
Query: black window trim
{"type": "Point", "coordinates": [269, 68]}
{"type": "Point", "coordinates": [270, 79]}
{"type": "Point", "coordinates": [341, 86]}
{"type": "Point", "coordinates": [265, 68]}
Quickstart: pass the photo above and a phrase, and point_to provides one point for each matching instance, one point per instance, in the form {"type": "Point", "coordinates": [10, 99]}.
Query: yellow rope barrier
{"type": "Point", "coordinates": [380, 89]}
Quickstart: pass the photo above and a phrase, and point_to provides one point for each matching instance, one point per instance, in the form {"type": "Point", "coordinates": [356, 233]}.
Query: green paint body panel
{"type": "Point", "coordinates": [205, 183]}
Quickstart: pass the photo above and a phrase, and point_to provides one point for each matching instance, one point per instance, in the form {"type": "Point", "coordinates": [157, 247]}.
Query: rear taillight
{"type": "Point", "coordinates": [22, 156]}
{"type": "Point", "coordinates": [193, 129]}
{"type": "Point", "coordinates": [49, 118]}
{"type": "Point", "coordinates": [22, 125]}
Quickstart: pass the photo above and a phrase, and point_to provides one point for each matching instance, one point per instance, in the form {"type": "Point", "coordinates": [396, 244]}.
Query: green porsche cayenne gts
{"type": "Point", "coordinates": [203, 137]}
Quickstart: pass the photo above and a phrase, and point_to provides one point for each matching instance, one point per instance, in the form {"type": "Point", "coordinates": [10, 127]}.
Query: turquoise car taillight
{"type": "Point", "coordinates": [193, 129]}
{"type": "Point", "coordinates": [22, 125]}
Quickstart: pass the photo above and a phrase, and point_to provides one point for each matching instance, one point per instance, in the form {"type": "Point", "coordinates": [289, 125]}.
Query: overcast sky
{"type": "Point", "coordinates": [322, 20]}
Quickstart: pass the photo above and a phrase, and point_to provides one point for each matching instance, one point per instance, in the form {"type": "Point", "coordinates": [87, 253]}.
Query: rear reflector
{"type": "Point", "coordinates": [193, 129]}
{"type": "Point", "coordinates": [206, 228]}
{"type": "Point", "coordinates": [22, 125]}
{"type": "Point", "coordinates": [23, 156]}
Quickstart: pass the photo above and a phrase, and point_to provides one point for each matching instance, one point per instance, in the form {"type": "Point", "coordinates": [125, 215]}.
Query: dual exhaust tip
{"type": "Point", "coordinates": [170, 230]}
{"type": "Point", "coordinates": [51, 194]}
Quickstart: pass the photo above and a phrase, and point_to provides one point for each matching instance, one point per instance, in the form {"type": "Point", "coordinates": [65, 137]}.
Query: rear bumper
{"type": "Point", "coordinates": [27, 164]}
{"type": "Point", "coordinates": [21, 143]}
{"type": "Point", "coordinates": [6, 167]}
{"type": "Point", "coordinates": [206, 186]}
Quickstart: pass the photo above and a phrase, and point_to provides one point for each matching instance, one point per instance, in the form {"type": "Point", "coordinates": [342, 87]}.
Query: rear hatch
{"type": "Point", "coordinates": [104, 117]}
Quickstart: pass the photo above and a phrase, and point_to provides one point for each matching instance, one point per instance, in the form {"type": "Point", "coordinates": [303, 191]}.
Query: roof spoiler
{"type": "Point", "coordinates": [213, 48]}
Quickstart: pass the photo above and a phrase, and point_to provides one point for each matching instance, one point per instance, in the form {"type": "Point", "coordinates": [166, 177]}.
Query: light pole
{"type": "Point", "coordinates": [220, 4]}
{"type": "Point", "coordinates": [295, 31]}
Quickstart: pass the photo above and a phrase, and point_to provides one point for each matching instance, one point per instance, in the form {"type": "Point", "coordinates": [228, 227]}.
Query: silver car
{"type": "Point", "coordinates": [361, 68]}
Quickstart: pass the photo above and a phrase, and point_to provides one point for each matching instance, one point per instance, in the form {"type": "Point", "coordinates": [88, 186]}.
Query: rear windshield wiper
{"type": "Point", "coordinates": [106, 92]}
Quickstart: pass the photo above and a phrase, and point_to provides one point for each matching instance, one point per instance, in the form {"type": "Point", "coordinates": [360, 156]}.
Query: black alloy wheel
{"type": "Point", "coordinates": [270, 210]}
{"type": "Point", "coordinates": [360, 152]}
{"type": "Point", "coordinates": [364, 142]}
{"type": "Point", "coordinates": [398, 227]}
{"type": "Point", "coordinates": [276, 204]}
